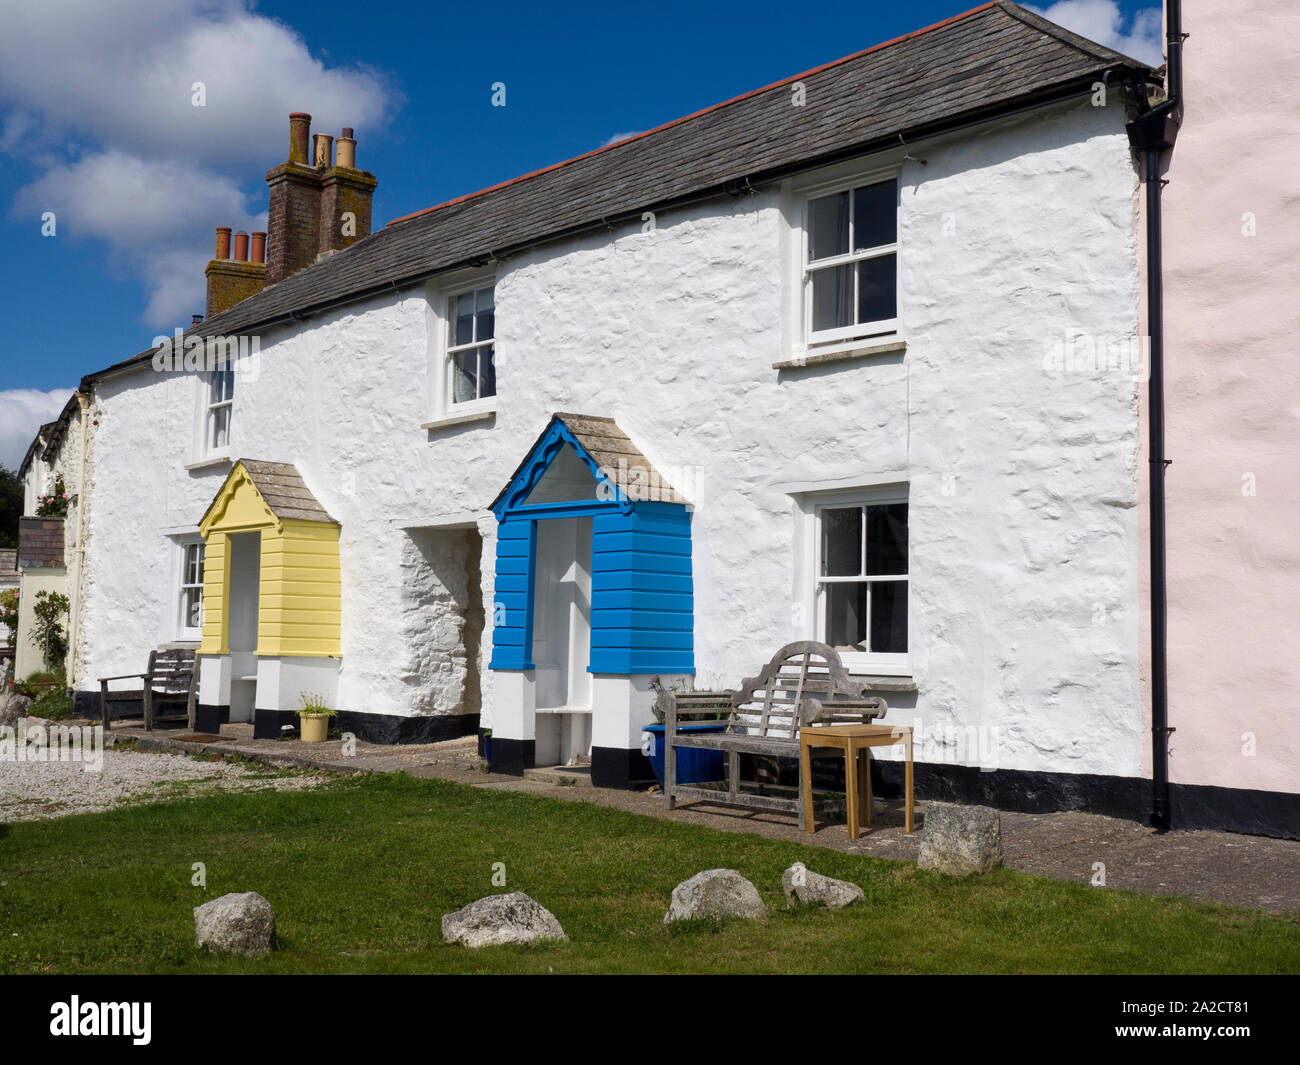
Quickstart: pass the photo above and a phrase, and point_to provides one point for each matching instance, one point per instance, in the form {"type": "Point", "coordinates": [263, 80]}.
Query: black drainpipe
{"type": "Point", "coordinates": [1152, 133]}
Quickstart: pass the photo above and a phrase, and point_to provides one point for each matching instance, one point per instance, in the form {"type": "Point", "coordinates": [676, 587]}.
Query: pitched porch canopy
{"type": "Point", "coordinates": [641, 594]}
{"type": "Point", "coordinates": [297, 588]}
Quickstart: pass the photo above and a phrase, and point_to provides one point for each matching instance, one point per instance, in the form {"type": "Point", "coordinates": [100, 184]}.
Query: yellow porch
{"type": "Point", "coordinates": [271, 593]}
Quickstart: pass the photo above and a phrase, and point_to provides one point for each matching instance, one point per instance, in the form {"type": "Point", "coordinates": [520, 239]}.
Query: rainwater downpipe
{"type": "Point", "coordinates": [1152, 134]}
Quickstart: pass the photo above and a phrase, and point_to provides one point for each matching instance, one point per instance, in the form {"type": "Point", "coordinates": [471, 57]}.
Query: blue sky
{"type": "Point", "coordinates": [97, 124]}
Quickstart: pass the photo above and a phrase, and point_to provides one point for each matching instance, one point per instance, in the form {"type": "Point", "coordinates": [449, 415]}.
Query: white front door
{"type": "Point", "coordinates": [562, 639]}
{"type": "Point", "coordinates": [562, 613]}
{"type": "Point", "coordinates": [241, 632]}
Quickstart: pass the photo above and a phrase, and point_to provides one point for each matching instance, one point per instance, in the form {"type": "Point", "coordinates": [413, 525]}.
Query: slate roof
{"type": "Point", "coordinates": [987, 61]}
{"type": "Point", "coordinates": [59, 427]}
{"type": "Point", "coordinates": [285, 492]}
{"type": "Point", "coordinates": [36, 445]}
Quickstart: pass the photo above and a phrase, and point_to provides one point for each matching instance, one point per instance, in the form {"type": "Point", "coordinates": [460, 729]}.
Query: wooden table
{"type": "Point", "coordinates": [854, 741]}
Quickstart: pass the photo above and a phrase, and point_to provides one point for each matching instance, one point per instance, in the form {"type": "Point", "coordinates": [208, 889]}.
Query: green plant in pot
{"type": "Point", "coordinates": [314, 718]}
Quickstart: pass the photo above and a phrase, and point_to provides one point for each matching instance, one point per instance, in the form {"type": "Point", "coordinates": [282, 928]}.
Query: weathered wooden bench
{"type": "Point", "coordinates": [803, 686]}
{"type": "Point", "coordinates": [172, 677]}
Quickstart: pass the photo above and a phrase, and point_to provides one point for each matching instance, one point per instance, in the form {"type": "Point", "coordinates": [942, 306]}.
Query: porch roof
{"type": "Point", "coordinates": [606, 447]}
{"type": "Point", "coordinates": [282, 489]}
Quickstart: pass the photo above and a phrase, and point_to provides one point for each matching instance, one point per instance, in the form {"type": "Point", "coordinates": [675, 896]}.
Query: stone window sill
{"type": "Point", "coordinates": [859, 350]}
{"type": "Point", "coordinates": [461, 419]}
{"type": "Point", "coordinates": [209, 464]}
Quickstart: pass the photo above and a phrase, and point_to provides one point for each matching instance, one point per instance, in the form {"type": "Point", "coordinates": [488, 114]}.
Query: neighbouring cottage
{"type": "Point", "coordinates": [52, 535]}
{"type": "Point", "coordinates": [1231, 278]}
{"type": "Point", "coordinates": [843, 356]}
{"type": "Point", "coordinates": [8, 568]}
{"type": "Point", "coordinates": [9, 582]}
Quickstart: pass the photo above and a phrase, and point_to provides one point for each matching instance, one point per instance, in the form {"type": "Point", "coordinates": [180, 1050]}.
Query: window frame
{"type": "Point", "coordinates": [210, 380]}
{"type": "Point", "coordinates": [806, 193]}
{"type": "Point", "coordinates": [813, 596]}
{"type": "Point", "coordinates": [184, 632]}
{"type": "Point", "coordinates": [449, 405]}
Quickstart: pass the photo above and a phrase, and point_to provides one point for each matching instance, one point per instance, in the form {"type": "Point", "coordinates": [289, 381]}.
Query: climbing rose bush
{"type": "Point", "coordinates": [55, 503]}
{"type": "Point", "coordinates": [9, 610]}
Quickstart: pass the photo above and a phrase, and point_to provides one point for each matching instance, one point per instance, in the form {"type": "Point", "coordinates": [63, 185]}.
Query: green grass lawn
{"type": "Point", "coordinates": [361, 872]}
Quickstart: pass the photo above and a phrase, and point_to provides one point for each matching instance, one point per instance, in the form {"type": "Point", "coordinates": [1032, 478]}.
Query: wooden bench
{"type": "Point", "coordinates": [803, 686]}
{"type": "Point", "coordinates": [172, 677]}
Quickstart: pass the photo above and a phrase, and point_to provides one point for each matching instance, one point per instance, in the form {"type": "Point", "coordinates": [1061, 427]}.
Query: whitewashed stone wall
{"type": "Point", "coordinates": [139, 494]}
{"type": "Point", "coordinates": [1009, 238]}
{"type": "Point", "coordinates": [438, 619]}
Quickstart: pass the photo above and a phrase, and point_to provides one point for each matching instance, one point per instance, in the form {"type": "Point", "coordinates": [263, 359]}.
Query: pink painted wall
{"type": "Point", "coordinates": [1233, 399]}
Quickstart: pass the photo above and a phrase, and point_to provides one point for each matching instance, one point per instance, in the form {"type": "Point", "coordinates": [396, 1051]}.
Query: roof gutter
{"type": "Point", "coordinates": [1152, 135]}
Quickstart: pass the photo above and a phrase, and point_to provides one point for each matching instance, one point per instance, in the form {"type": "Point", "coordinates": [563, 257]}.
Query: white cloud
{"type": "Point", "coordinates": [119, 73]}
{"type": "Point", "coordinates": [1103, 22]}
{"type": "Point", "coordinates": [149, 214]}
{"type": "Point", "coordinates": [123, 197]}
{"type": "Point", "coordinates": [177, 288]}
{"type": "Point", "coordinates": [621, 137]}
{"type": "Point", "coordinates": [22, 412]}
{"type": "Point", "coordinates": [99, 95]}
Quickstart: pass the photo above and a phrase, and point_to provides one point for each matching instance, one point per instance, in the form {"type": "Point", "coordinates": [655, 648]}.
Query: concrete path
{"type": "Point", "coordinates": [1248, 871]}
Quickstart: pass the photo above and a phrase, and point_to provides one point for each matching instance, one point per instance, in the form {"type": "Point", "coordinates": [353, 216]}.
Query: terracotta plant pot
{"type": "Point", "coordinates": [314, 728]}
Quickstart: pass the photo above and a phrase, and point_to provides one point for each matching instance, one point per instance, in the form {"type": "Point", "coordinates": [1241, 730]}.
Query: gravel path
{"type": "Point", "coordinates": [33, 791]}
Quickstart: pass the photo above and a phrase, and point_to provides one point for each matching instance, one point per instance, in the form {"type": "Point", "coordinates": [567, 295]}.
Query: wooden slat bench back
{"type": "Point", "coordinates": [172, 676]}
{"type": "Point", "coordinates": [804, 685]}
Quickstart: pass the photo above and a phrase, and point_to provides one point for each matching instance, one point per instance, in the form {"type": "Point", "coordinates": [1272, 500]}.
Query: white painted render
{"type": "Point", "coordinates": [1022, 479]}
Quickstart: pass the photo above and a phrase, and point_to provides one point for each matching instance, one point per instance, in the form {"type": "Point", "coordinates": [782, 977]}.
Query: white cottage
{"type": "Point", "coordinates": [796, 366]}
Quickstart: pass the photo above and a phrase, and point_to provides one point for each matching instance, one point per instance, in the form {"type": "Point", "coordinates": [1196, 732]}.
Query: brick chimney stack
{"type": "Point", "coordinates": [293, 222]}
{"type": "Point", "coordinates": [232, 280]}
{"type": "Point", "coordinates": [346, 195]}
{"type": "Point", "coordinates": [317, 206]}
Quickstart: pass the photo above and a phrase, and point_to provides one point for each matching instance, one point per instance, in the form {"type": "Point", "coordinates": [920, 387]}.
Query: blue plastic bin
{"type": "Point", "coordinates": [695, 765]}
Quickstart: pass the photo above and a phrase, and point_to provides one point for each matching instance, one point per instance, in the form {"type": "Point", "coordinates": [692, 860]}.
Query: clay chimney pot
{"type": "Point", "coordinates": [299, 136]}
{"type": "Point", "coordinates": [345, 154]}
{"type": "Point", "coordinates": [323, 151]}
